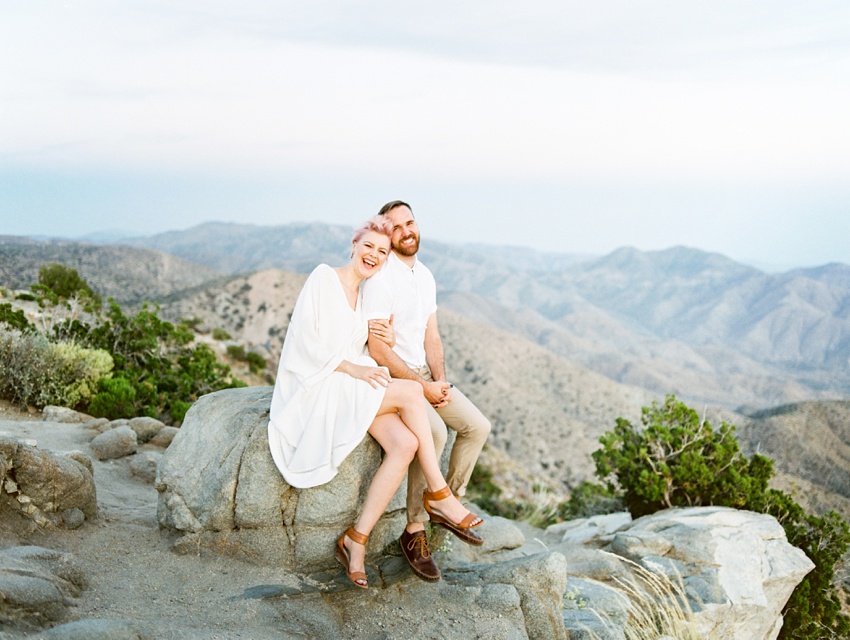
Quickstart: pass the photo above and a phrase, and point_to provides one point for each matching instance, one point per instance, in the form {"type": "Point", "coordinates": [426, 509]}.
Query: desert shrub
{"type": "Point", "coordinates": [56, 282]}
{"type": "Point", "coordinates": [235, 351]}
{"type": "Point", "coordinates": [256, 362]}
{"type": "Point", "coordinates": [220, 334]}
{"type": "Point", "coordinates": [590, 499]}
{"type": "Point", "coordinates": [79, 372]}
{"type": "Point", "coordinates": [814, 609]}
{"type": "Point", "coordinates": [116, 398]}
{"type": "Point", "coordinates": [178, 409]}
{"type": "Point", "coordinates": [36, 372]}
{"type": "Point", "coordinates": [14, 318]}
{"type": "Point", "coordinates": [676, 459]}
{"type": "Point", "coordinates": [155, 358]}
{"type": "Point", "coordinates": [192, 323]}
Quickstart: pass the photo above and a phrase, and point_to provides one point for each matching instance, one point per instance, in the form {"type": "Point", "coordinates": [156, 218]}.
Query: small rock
{"type": "Point", "coordinates": [82, 458]}
{"type": "Point", "coordinates": [144, 465]}
{"type": "Point", "coordinates": [115, 443]}
{"type": "Point", "coordinates": [98, 424]}
{"type": "Point", "coordinates": [73, 518]}
{"type": "Point", "coordinates": [164, 437]}
{"type": "Point", "coordinates": [63, 414]}
{"type": "Point", "coordinates": [145, 428]}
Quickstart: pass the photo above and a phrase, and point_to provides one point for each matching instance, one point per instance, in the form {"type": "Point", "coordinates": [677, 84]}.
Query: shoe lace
{"type": "Point", "coordinates": [422, 543]}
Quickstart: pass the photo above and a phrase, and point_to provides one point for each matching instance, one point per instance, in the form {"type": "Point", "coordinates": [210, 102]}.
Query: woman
{"type": "Point", "coordinates": [329, 393]}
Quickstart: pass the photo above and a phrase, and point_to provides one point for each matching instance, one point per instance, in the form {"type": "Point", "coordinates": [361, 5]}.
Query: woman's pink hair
{"type": "Point", "coordinates": [378, 224]}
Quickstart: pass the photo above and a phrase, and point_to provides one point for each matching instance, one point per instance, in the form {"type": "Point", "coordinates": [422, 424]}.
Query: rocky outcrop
{"type": "Point", "coordinates": [219, 488]}
{"type": "Point", "coordinates": [49, 489]}
{"type": "Point", "coordinates": [736, 567]}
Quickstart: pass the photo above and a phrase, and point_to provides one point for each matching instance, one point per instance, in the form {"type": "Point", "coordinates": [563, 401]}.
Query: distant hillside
{"type": "Point", "coordinates": [242, 248]}
{"type": "Point", "coordinates": [810, 442]}
{"type": "Point", "coordinates": [679, 320]}
{"type": "Point", "coordinates": [128, 274]}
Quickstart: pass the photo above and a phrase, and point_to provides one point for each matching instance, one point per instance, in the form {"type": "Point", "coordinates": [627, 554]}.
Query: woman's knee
{"type": "Point", "coordinates": [404, 445]}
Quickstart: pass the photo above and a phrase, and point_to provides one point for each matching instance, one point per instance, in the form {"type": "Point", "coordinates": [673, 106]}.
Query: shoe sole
{"type": "Point", "coordinates": [419, 575]}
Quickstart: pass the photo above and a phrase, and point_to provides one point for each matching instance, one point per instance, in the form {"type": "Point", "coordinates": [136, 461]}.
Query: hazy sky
{"type": "Point", "coordinates": [567, 126]}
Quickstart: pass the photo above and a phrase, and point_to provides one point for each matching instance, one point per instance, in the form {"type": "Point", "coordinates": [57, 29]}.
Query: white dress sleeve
{"type": "Point", "coordinates": [314, 346]}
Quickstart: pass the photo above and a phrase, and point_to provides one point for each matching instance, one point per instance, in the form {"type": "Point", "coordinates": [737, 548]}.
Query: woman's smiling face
{"type": "Point", "coordinates": [370, 253]}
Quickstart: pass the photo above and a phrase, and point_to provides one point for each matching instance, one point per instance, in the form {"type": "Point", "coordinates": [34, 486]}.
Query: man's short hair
{"type": "Point", "coordinates": [392, 205]}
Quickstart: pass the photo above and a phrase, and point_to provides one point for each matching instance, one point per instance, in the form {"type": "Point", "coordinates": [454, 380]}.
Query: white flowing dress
{"type": "Point", "coordinates": [319, 415]}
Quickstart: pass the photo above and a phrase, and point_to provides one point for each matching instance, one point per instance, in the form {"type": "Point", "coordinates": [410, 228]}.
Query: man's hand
{"type": "Point", "coordinates": [437, 392]}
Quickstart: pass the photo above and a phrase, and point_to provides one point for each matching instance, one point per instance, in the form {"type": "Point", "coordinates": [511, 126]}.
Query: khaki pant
{"type": "Point", "coordinates": [472, 430]}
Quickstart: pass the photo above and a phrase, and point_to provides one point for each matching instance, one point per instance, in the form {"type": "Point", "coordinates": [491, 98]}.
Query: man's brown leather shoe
{"type": "Point", "coordinates": [414, 546]}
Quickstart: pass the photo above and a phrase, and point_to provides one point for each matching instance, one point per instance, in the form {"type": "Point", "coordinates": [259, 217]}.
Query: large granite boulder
{"type": "Point", "coordinates": [47, 488]}
{"type": "Point", "coordinates": [219, 488]}
{"type": "Point", "coordinates": [736, 567]}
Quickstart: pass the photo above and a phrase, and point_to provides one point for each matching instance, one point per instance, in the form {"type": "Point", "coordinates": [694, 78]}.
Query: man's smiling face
{"type": "Point", "coordinates": [405, 239]}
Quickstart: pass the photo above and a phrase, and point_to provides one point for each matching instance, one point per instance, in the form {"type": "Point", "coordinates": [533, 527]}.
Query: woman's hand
{"type": "Point", "coordinates": [383, 330]}
{"type": "Point", "coordinates": [373, 375]}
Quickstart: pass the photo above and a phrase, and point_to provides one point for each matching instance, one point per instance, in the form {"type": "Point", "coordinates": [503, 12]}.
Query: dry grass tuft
{"type": "Point", "coordinates": [658, 607]}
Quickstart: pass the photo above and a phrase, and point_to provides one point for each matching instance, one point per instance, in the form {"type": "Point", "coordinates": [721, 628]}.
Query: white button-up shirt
{"type": "Point", "coordinates": [410, 296]}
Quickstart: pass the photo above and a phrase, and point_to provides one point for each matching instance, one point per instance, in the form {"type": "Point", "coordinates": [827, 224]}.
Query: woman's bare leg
{"type": "Point", "coordinates": [405, 397]}
{"type": "Point", "coordinates": [399, 446]}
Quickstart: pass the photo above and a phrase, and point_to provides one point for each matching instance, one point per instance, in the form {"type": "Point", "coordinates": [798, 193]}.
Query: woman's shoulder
{"type": "Point", "coordinates": [322, 272]}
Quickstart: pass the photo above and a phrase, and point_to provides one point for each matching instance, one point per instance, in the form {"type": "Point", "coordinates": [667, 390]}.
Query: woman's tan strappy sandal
{"type": "Point", "coordinates": [359, 578]}
{"type": "Point", "coordinates": [460, 529]}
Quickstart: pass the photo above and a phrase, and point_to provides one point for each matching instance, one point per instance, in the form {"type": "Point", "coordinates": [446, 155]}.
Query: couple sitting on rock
{"type": "Point", "coordinates": [330, 391]}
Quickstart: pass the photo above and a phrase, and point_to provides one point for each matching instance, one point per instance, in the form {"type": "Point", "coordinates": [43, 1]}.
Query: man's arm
{"type": "Point", "coordinates": [383, 354]}
{"type": "Point", "coordinates": [436, 392]}
{"type": "Point", "coordinates": [434, 349]}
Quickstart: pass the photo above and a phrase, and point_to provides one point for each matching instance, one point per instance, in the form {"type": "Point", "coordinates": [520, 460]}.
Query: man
{"type": "Point", "coordinates": [405, 289]}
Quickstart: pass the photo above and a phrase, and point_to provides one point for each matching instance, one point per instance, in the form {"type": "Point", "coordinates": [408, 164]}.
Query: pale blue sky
{"type": "Point", "coordinates": [578, 127]}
